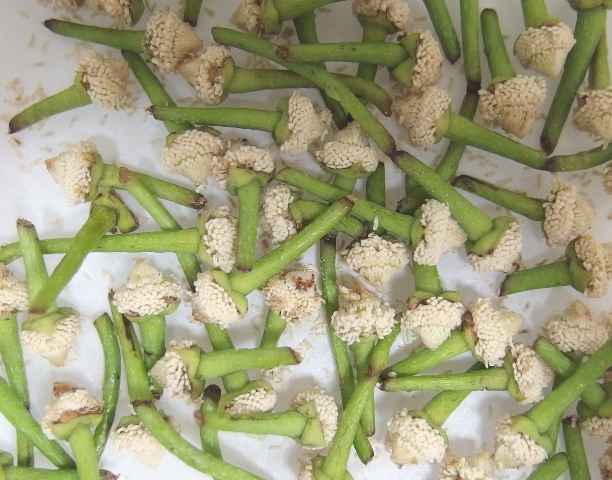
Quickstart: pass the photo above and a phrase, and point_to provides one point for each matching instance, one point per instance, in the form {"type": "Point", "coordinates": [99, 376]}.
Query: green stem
{"type": "Point", "coordinates": [376, 191]}
{"type": "Point", "coordinates": [574, 447]}
{"type": "Point", "coordinates": [221, 341]}
{"type": "Point", "coordinates": [344, 183]}
{"type": "Point", "coordinates": [556, 274]}
{"type": "Point", "coordinates": [152, 86]}
{"type": "Point", "coordinates": [535, 13]}
{"type": "Point", "coordinates": [33, 261]}
{"type": "Point", "coordinates": [384, 54]}
{"type": "Point", "coordinates": [491, 379]}
{"type": "Point", "coordinates": [599, 68]}
{"type": "Point", "coordinates": [248, 207]}
{"type": "Point", "coordinates": [472, 220]}
{"type": "Point", "coordinates": [208, 436]}
{"type": "Point", "coordinates": [443, 25]}
{"type": "Point", "coordinates": [287, 424]}
{"type": "Point", "coordinates": [28, 473]}
{"type": "Point", "coordinates": [153, 339]}
{"type": "Point", "coordinates": [470, 43]}
{"type": "Point", "coordinates": [551, 469]}
{"type": "Point", "coordinates": [218, 364]}
{"type": "Point", "coordinates": [273, 329]}
{"type": "Point", "coordinates": [137, 8]}
{"type": "Point", "coordinates": [191, 13]}
{"type": "Point", "coordinates": [590, 25]}
{"type": "Point", "coordinates": [425, 359]}
{"type": "Point", "coordinates": [130, 40]}
{"type": "Point", "coordinates": [311, 209]}
{"type": "Point", "coordinates": [246, 118]}
{"type": "Point", "coordinates": [362, 351]}
{"type": "Point", "coordinates": [579, 161]}
{"type": "Point", "coordinates": [18, 415]}
{"type": "Point", "coordinates": [498, 60]}
{"type": "Point", "coordinates": [374, 31]}
{"type": "Point", "coordinates": [84, 451]}
{"type": "Point", "coordinates": [462, 130]}
{"type": "Point", "coordinates": [290, 9]}
{"type": "Point", "coordinates": [532, 208]}
{"type": "Point", "coordinates": [273, 262]}
{"type": "Point", "coordinates": [340, 448]}
{"type": "Point", "coordinates": [101, 220]}
{"type": "Point", "coordinates": [74, 96]}
{"type": "Point", "coordinates": [396, 224]}
{"type": "Point", "coordinates": [426, 278]}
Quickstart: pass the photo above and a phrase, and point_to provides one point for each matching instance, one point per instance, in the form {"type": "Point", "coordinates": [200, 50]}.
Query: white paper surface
{"type": "Point", "coordinates": [35, 60]}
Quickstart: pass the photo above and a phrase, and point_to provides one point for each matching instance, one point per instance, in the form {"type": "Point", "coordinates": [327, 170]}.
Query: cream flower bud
{"type": "Point", "coordinates": [515, 449]}
{"type": "Point", "coordinates": [593, 257]}
{"type": "Point", "coordinates": [212, 303]}
{"type": "Point", "coordinates": [247, 17]}
{"type": "Point", "coordinates": [607, 178]}
{"type": "Point", "coordinates": [262, 398]}
{"type": "Point", "coordinates": [172, 373]}
{"type": "Point", "coordinates": [350, 147]}
{"type": "Point", "coordinates": [433, 320]}
{"type": "Point", "coordinates": [205, 73]}
{"type": "Point", "coordinates": [531, 373]}
{"type": "Point", "coordinates": [326, 410]}
{"type": "Point", "coordinates": [600, 427]}
{"type": "Point", "coordinates": [169, 41]}
{"type": "Point", "coordinates": [505, 255]}
{"type": "Point", "coordinates": [306, 125]}
{"type": "Point", "coordinates": [395, 11]}
{"type": "Point", "coordinates": [115, 9]}
{"type": "Point", "coordinates": [513, 104]}
{"type": "Point", "coordinates": [106, 80]}
{"type": "Point", "coordinates": [412, 440]}
{"type": "Point", "coordinates": [593, 113]}
{"type": "Point", "coordinates": [221, 238]}
{"type": "Point", "coordinates": [545, 48]}
{"type": "Point", "coordinates": [428, 61]}
{"type": "Point", "coordinates": [131, 436]}
{"type": "Point", "coordinates": [53, 342]}
{"type": "Point", "coordinates": [277, 219]}
{"type": "Point", "coordinates": [294, 295]}
{"type": "Point", "coordinates": [13, 293]}
{"type": "Point", "coordinates": [67, 403]}
{"type": "Point", "coordinates": [247, 157]}
{"type": "Point", "coordinates": [478, 466]}
{"type": "Point", "coordinates": [605, 464]}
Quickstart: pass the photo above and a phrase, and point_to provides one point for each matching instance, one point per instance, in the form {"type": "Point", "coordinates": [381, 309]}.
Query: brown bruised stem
{"type": "Point", "coordinates": [496, 378]}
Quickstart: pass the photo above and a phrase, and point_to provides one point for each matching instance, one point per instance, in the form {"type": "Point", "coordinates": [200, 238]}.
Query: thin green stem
{"type": "Point", "coordinates": [208, 436]}
{"type": "Point", "coordinates": [551, 469]}
{"type": "Point", "coordinates": [574, 447]}
{"type": "Point", "coordinates": [218, 364]}
{"type": "Point", "coordinates": [579, 161]}
{"type": "Point", "coordinates": [374, 31]}
{"type": "Point", "coordinates": [311, 209]}
{"type": "Point", "coordinates": [426, 278]}
{"type": "Point", "coordinates": [362, 351]}
{"type": "Point", "coordinates": [153, 339]}
{"type": "Point", "coordinates": [491, 379]}
{"type": "Point", "coordinates": [556, 274]}
{"type": "Point", "coordinates": [590, 25]}
{"type": "Point", "coordinates": [376, 191]}
{"type": "Point", "coordinates": [287, 424]}
{"type": "Point", "coordinates": [84, 451]}
{"type": "Point", "coordinates": [290, 9]}
{"type": "Point", "coordinates": [443, 25]}
{"type": "Point", "coordinates": [470, 43]}
{"type": "Point", "coordinates": [28, 473]}
{"type": "Point", "coordinates": [345, 183]}
{"type": "Point", "coordinates": [535, 13]}
{"type": "Point", "coordinates": [221, 341]}
{"type": "Point", "coordinates": [532, 208]}
{"type": "Point", "coordinates": [191, 13]}
{"type": "Point", "coordinates": [273, 262]}
{"type": "Point", "coordinates": [498, 59]}
{"type": "Point", "coordinates": [129, 40]}
{"type": "Point", "coordinates": [34, 263]}
{"type": "Point", "coordinates": [599, 67]}
{"type": "Point", "coordinates": [248, 208]}
{"type": "Point", "coordinates": [137, 8]}
{"type": "Point", "coordinates": [273, 329]}
{"type": "Point", "coordinates": [383, 54]}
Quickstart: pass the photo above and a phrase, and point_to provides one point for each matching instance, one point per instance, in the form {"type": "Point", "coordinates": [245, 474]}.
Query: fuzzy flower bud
{"type": "Point", "coordinates": [294, 295]}
{"type": "Point", "coordinates": [413, 440]}
{"type": "Point", "coordinates": [105, 80]}
{"type": "Point", "coordinates": [247, 17]}
{"type": "Point", "coordinates": [394, 11]}
{"type": "Point", "coordinates": [131, 436]}
{"type": "Point", "coordinates": [247, 157]}
{"type": "Point", "coordinates": [326, 410]}
{"type": "Point", "coordinates": [350, 147]}
{"type": "Point", "coordinates": [505, 255]}
{"type": "Point", "coordinates": [600, 427]}
{"type": "Point", "coordinates": [277, 219]}
{"type": "Point", "coordinates": [478, 466]}
{"type": "Point", "coordinates": [172, 373]}
{"type": "Point", "coordinates": [220, 239]}
{"type": "Point", "coordinates": [531, 373]}
{"type": "Point", "coordinates": [68, 403]}
{"type": "Point", "coordinates": [13, 293]}
{"type": "Point", "coordinates": [544, 48]}
{"type": "Point", "coordinates": [115, 9]}
{"type": "Point", "coordinates": [259, 397]}
{"type": "Point", "coordinates": [212, 303]}
{"type": "Point", "coordinates": [593, 257]}
{"type": "Point", "coordinates": [593, 113]}
{"type": "Point", "coordinates": [306, 125]}
{"type": "Point", "coordinates": [169, 41]}
{"type": "Point", "coordinates": [428, 61]}
{"type": "Point", "coordinates": [205, 73]}
{"type": "Point", "coordinates": [515, 449]}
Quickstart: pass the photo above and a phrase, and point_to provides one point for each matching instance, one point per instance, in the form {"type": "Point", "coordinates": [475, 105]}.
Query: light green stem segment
{"type": "Point", "coordinates": [137, 8]}
{"type": "Point", "coordinates": [153, 338]}
{"type": "Point", "coordinates": [470, 43]}
{"type": "Point", "coordinates": [286, 424]}
{"type": "Point", "coordinates": [375, 30]}
{"type": "Point", "coordinates": [84, 451]}
{"type": "Point", "coordinates": [580, 161]}
{"type": "Point", "coordinates": [100, 221]}
{"type": "Point", "coordinates": [574, 447]}
{"type": "Point", "coordinates": [34, 263]}
{"type": "Point", "coordinates": [130, 40]}
{"type": "Point", "coordinates": [490, 379]}
{"type": "Point", "coordinates": [208, 436]}
{"type": "Point", "coordinates": [394, 223]}
{"type": "Point", "coordinates": [111, 381]}
{"type": "Point", "coordinates": [552, 468]}
{"type": "Point", "coordinates": [472, 220]}
{"type": "Point", "coordinates": [191, 13]}
{"type": "Point", "coordinates": [217, 364]}
{"type": "Point", "coordinates": [590, 25]}
{"type": "Point", "coordinates": [552, 275]}
{"type": "Point", "coordinates": [345, 183]}
{"type": "Point", "coordinates": [443, 25]}
{"type": "Point", "coordinates": [599, 68]}
{"type": "Point", "coordinates": [425, 359]}
{"type": "Point", "coordinates": [362, 351]}
{"type": "Point", "coordinates": [28, 473]}
{"type": "Point", "coordinates": [340, 448]}
{"type": "Point", "coordinates": [462, 130]}
{"type": "Point", "coordinates": [18, 415]}
{"type": "Point", "coordinates": [154, 89]}
{"type": "Point", "coordinates": [384, 54]}
{"type": "Point", "coordinates": [311, 209]}
{"type": "Point", "coordinates": [274, 13]}
{"type": "Point", "coordinates": [499, 62]}
{"type": "Point", "coordinates": [535, 13]}
{"type": "Point", "coordinates": [72, 97]}
{"type": "Point", "coordinates": [273, 329]}
{"type": "Point", "coordinates": [221, 341]}
{"type": "Point", "coordinates": [248, 207]}
{"type": "Point", "coordinates": [532, 208]}
{"type": "Point", "coordinates": [273, 262]}
{"type": "Point", "coordinates": [426, 278]}
{"type": "Point", "coordinates": [376, 191]}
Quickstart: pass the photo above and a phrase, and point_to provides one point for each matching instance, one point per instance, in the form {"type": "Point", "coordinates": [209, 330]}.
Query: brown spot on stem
{"type": "Point", "coordinates": [282, 53]}
{"type": "Point", "coordinates": [546, 145]}
{"type": "Point", "coordinates": [142, 403]}
{"type": "Point", "coordinates": [387, 111]}
{"type": "Point", "coordinates": [199, 418]}
{"type": "Point", "coordinates": [200, 202]}
{"type": "Point", "coordinates": [124, 175]}
{"type": "Point", "coordinates": [303, 284]}
{"type": "Point", "coordinates": [22, 222]}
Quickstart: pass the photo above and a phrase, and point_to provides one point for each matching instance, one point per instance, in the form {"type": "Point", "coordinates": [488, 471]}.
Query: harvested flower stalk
{"type": "Point", "coordinates": [99, 79]}
{"type": "Point", "coordinates": [441, 19]}
{"type": "Point", "coordinates": [167, 41]}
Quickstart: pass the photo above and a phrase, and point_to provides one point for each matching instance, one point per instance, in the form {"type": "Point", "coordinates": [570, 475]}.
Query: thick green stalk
{"type": "Point", "coordinates": [311, 209]}
{"type": "Point", "coordinates": [273, 329]}
{"type": "Point", "coordinates": [443, 25]}
{"type": "Point", "coordinates": [574, 447]}
{"type": "Point", "coordinates": [111, 381]}
{"type": "Point", "coordinates": [551, 469]}
{"type": "Point", "coordinates": [290, 9]}
{"type": "Point", "coordinates": [152, 86]}
{"type": "Point", "coordinates": [191, 13]}
{"type": "Point", "coordinates": [248, 208]}
{"type": "Point", "coordinates": [556, 274]}
{"type": "Point", "coordinates": [491, 379]}
{"type": "Point", "coordinates": [375, 30]}
{"type": "Point", "coordinates": [426, 278]}
{"type": "Point", "coordinates": [287, 424]}
{"type": "Point", "coordinates": [208, 436]}
{"type": "Point", "coordinates": [273, 262]}
{"type": "Point", "coordinates": [344, 183]}
{"type": "Point", "coordinates": [472, 220]}
{"type": "Point", "coordinates": [579, 161]}
{"type": "Point", "coordinates": [221, 341]}
{"type": "Point", "coordinates": [129, 40]}
{"type": "Point", "coordinates": [535, 13]}
{"type": "Point", "coordinates": [590, 25]}
{"type": "Point", "coordinates": [470, 43]}
{"type": "Point", "coordinates": [532, 208]}
{"type": "Point", "coordinates": [498, 59]}
{"type": "Point", "coordinates": [153, 339]}
{"type": "Point", "coordinates": [376, 191]}
{"type": "Point", "coordinates": [17, 414]}
{"type": "Point", "coordinates": [599, 67]}
{"type": "Point", "coordinates": [220, 363]}
{"type": "Point", "coordinates": [425, 359]}
{"type": "Point", "coordinates": [28, 473]}
{"type": "Point", "coordinates": [137, 8]}
{"type": "Point", "coordinates": [362, 351]}
{"type": "Point", "coordinates": [394, 223]}
{"type": "Point", "coordinates": [383, 54]}
{"type": "Point", "coordinates": [33, 261]}
{"type": "Point", "coordinates": [84, 451]}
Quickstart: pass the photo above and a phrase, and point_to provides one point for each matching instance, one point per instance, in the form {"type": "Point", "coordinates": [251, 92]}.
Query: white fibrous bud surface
{"type": "Point", "coordinates": [67, 403]}
{"type": "Point", "coordinates": [419, 113]}
{"type": "Point", "coordinates": [56, 346]}
{"type": "Point", "coordinates": [544, 48]}
{"type": "Point", "coordinates": [605, 464]}
{"type": "Point", "coordinates": [513, 104]}
{"type": "Point", "coordinates": [277, 219]}
{"type": "Point", "coordinates": [428, 61]}
{"type": "Point", "coordinates": [192, 155]}
{"type": "Point", "coordinates": [349, 147]}
{"type": "Point", "coordinates": [376, 259]}
{"type": "Point", "coordinates": [306, 124]}
{"type": "Point", "coordinates": [325, 407]}
{"type": "Point", "coordinates": [136, 439]}
{"type": "Point", "coordinates": [247, 17]}
{"type": "Point", "coordinates": [506, 254]}
{"type": "Point", "coordinates": [205, 73]}
{"type": "Point", "coordinates": [247, 157]}
{"type": "Point", "coordinates": [171, 373]}
{"type": "Point", "coordinates": [71, 170]}
{"type": "Point", "coordinates": [13, 293]}
{"type": "Point", "coordinates": [576, 330]}
{"type": "Point", "coordinates": [593, 113]}
{"type": "Point", "coordinates": [146, 292]}
{"type": "Point", "coordinates": [478, 466]}
{"type": "Point", "coordinates": [212, 304]}
{"type": "Point", "coordinates": [531, 373]}
{"type": "Point", "coordinates": [600, 427]}
{"type": "Point", "coordinates": [412, 440]}
{"type": "Point", "coordinates": [493, 330]}
{"type": "Point", "coordinates": [116, 9]}
{"type": "Point", "coordinates": [306, 471]}
{"type": "Point", "coordinates": [515, 449]}
{"type": "Point", "coordinates": [361, 315]}
{"type": "Point", "coordinates": [441, 233]}
{"type": "Point", "coordinates": [257, 400]}
{"type": "Point", "coordinates": [169, 41]}
{"type": "Point", "coordinates": [294, 295]}
{"type": "Point", "coordinates": [221, 238]}
{"type": "Point", "coordinates": [106, 80]}
{"type": "Point", "coordinates": [433, 320]}
{"type": "Point", "coordinates": [395, 11]}
{"type": "Point", "coordinates": [592, 256]}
